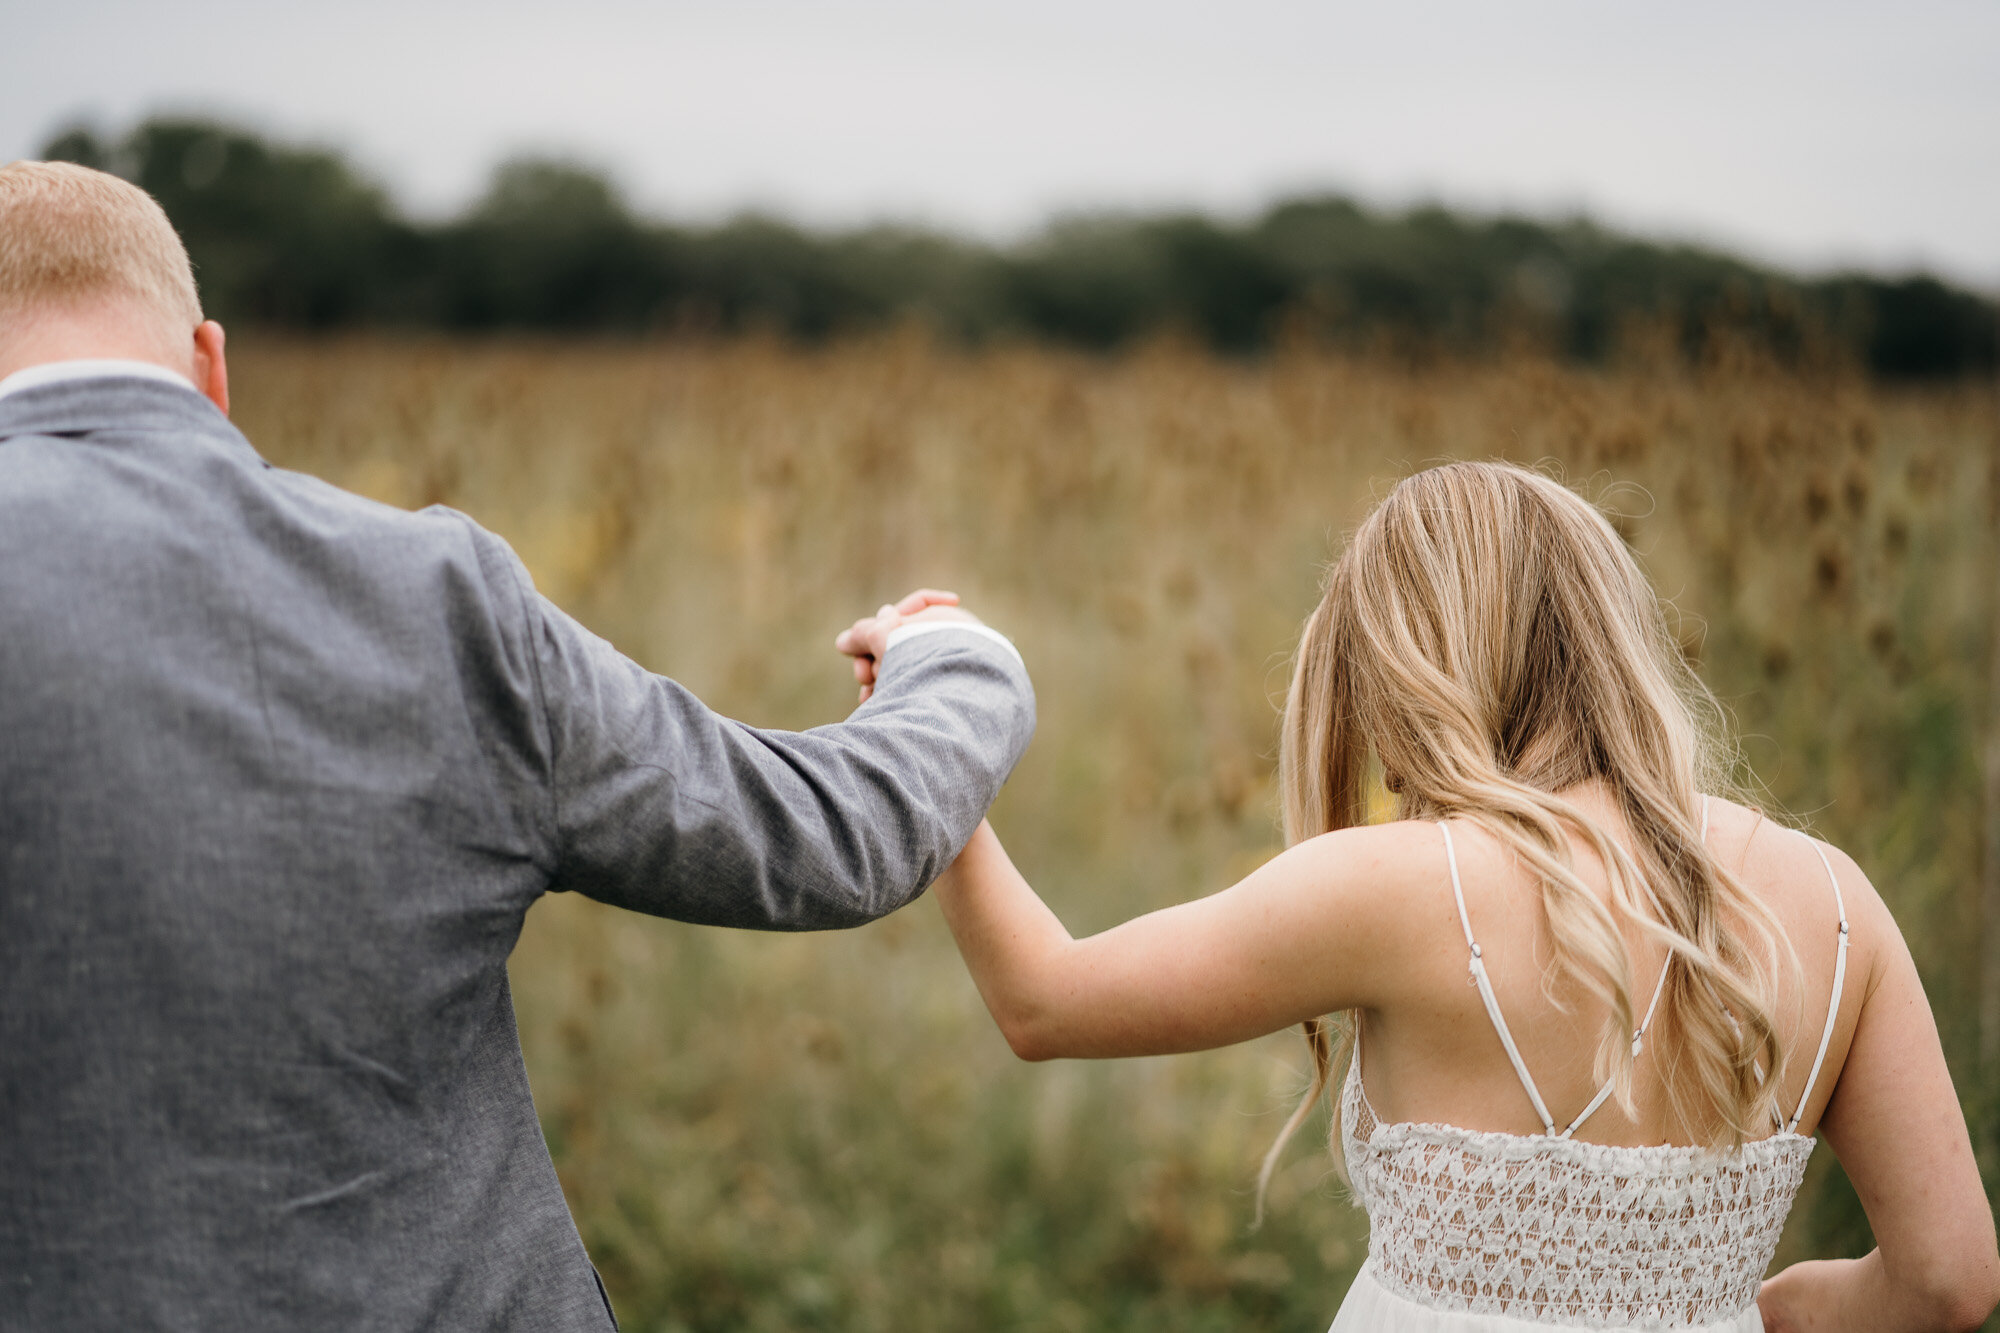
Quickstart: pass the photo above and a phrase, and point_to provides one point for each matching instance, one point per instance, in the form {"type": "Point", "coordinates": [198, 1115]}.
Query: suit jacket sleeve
{"type": "Point", "coordinates": [660, 805]}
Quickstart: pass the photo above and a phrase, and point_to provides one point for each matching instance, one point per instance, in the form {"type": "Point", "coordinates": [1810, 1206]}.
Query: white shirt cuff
{"type": "Point", "coordinates": [897, 636]}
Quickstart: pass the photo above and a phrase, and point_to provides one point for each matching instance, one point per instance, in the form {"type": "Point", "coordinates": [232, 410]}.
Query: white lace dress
{"type": "Point", "coordinates": [1478, 1232]}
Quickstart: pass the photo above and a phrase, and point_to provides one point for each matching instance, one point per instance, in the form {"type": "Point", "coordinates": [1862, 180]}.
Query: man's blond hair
{"type": "Point", "coordinates": [71, 235]}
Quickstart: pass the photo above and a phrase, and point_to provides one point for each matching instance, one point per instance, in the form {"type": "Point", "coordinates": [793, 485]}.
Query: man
{"type": "Point", "coordinates": [281, 770]}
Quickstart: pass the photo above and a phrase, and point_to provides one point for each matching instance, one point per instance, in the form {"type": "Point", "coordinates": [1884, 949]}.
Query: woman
{"type": "Point", "coordinates": [1596, 1014]}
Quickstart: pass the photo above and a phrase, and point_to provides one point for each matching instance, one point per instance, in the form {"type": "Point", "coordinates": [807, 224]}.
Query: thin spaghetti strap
{"type": "Point", "coordinates": [1457, 889]}
{"type": "Point", "coordinates": [1638, 1043]}
{"type": "Point", "coordinates": [1839, 979]}
{"type": "Point", "coordinates": [1477, 966]}
{"type": "Point", "coordinates": [1639, 1033]}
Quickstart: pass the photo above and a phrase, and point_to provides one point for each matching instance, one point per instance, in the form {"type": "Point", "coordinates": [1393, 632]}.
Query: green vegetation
{"type": "Point", "coordinates": [825, 1132]}
{"type": "Point", "coordinates": [294, 237]}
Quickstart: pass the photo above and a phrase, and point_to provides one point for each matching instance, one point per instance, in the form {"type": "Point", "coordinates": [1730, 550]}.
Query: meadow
{"type": "Point", "coordinates": [825, 1132]}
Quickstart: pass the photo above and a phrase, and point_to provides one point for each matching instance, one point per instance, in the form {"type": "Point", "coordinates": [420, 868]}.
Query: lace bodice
{"type": "Point", "coordinates": [1565, 1232]}
{"type": "Point", "coordinates": [1554, 1230]}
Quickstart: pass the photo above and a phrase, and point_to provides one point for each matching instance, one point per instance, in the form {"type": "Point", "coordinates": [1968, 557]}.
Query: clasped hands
{"type": "Point", "coordinates": [867, 640]}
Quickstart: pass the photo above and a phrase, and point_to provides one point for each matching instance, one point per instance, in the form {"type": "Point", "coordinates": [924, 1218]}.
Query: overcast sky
{"type": "Point", "coordinates": [1813, 134]}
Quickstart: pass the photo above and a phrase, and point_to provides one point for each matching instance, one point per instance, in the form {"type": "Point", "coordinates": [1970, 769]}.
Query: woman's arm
{"type": "Point", "coordinates": [1307, 934]}
{"type": "Point", "coordinates": [1895, 1123]}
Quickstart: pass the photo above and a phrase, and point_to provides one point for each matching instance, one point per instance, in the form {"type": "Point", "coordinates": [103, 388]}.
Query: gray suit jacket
{"type": "Point", "coordinates": [281, 770]}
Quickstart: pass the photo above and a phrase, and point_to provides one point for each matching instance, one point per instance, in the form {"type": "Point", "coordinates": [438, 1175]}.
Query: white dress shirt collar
{"type": "Point", "coordinates": [62, 372]}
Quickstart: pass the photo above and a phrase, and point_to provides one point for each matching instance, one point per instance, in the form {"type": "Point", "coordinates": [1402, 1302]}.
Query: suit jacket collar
{"type": "Point", "coordinates": [116, 403]}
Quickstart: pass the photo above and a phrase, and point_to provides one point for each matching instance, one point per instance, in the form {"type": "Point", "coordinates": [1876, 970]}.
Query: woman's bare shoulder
{"type": "Point", "coordinates": [1388, 854]}
{"type": "Point", "coordinates": [1386, 884]}
{"type": "Point", "coordinates": [1788, 869]}
{"type": "Point", "coordinates": [1765, 851]}
{"type": "Point", "coordinates": [1370, 870]}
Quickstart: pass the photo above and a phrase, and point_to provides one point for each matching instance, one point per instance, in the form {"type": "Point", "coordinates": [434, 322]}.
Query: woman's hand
{"type": "Point", "coordinates": [867, 639]}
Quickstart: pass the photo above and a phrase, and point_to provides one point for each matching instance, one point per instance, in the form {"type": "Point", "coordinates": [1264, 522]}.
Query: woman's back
{"type": "Point", "coordinates": [1432, 1051]}
{"type": "Point", "coordinates": [1480, 1219]}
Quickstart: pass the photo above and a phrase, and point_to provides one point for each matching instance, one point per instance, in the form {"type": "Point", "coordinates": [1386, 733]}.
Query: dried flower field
{"type": "Point", "coordinates": [824, 1132]}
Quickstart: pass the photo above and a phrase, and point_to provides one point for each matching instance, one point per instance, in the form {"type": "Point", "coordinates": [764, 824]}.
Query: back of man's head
{"type": "Point", "coordinates": [77, 242]}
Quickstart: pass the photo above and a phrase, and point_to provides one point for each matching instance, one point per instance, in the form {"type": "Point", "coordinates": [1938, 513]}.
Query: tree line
{"type": "Point", "coordinates": [291, 236]}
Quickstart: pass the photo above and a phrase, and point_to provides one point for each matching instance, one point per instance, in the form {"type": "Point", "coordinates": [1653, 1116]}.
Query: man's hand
{"type": "Point", "coordinates": [868, 638]}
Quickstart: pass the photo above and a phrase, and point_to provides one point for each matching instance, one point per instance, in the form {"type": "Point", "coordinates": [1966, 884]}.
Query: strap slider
{"type": "Point", "coordinates": [1475, 948]}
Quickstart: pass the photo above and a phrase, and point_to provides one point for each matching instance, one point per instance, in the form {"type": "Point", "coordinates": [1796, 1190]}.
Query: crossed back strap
{"type": "Point", "coordinates": [1477, 966]}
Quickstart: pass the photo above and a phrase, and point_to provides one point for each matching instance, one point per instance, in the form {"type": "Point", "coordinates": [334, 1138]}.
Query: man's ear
{"type": "Point", "coordinates": [211, 370]}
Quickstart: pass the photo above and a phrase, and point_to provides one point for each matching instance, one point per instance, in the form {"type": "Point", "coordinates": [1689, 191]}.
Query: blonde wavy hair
{"type": "Point", "coordinates": [1489, 642]}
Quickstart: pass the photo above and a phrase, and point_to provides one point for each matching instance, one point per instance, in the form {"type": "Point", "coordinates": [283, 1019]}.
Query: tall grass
{"type": "Point", "coordinates": [763, 1132]}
